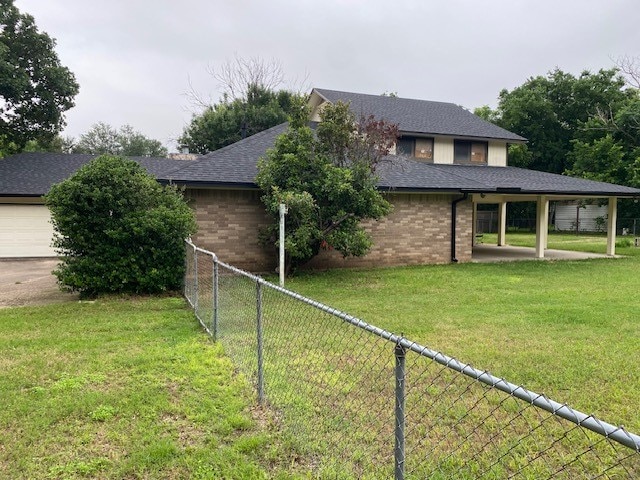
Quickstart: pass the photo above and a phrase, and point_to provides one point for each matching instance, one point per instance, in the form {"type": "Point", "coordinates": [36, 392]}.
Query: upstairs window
{"type": "Point", "coordinates": [420, 148]}
{"type": "Point", "coordinates": [468, 152]}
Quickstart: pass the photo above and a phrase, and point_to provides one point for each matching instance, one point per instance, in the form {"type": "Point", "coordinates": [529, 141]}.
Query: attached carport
{"type": "Point", "coordinates": [503, 185]}
{"type": "Point", "coordinates": [542, 214]}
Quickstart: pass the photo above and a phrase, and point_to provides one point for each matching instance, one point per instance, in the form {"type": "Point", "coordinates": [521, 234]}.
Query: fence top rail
{"type": "Point", "coordinates": [617, 433]}
{"type": "Point", "coordinates": [198, 249]}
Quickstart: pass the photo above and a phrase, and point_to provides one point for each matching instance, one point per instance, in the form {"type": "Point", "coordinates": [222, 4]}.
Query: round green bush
{"type": "Point", "coordinates": [117, 230]}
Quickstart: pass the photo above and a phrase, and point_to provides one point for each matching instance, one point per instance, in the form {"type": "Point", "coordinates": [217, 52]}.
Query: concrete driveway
{"type": "Point", "coordinates": [30, 282]}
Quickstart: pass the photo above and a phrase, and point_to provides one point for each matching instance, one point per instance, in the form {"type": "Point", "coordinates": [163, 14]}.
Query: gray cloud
{"type": "Point", "coordinates": [134, 59]}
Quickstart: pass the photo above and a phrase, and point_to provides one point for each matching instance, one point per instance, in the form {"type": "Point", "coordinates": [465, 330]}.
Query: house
{"type": "Point", "coordinates": [447, 161]}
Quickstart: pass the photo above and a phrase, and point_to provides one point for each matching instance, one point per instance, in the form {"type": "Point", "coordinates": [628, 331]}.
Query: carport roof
{"type": "Point", "coordinates": [33, 174]}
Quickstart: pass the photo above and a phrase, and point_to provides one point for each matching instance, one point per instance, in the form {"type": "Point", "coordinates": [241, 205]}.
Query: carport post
{"type": "Point", "coordinates": [612, 217]}
{"type": "Point", "coordinates": [542, 225]}
{"type": "Point", "coordinates": [502, 223]}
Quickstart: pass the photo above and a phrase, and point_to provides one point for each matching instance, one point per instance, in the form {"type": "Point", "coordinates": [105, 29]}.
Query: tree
{"type": "Point", "coordinates": [327, 181]}
{"type": "Point", "coordinates": [587, 126]}
{"type": "Point", "coordinates": [229, 121]}
{"type": "Point", "coordinates": [35, 89]}
{"type": "Point", "coordinates": [251, 102]}
{"type": "Point", "coordinates": [57, 144]}
{"type": "Point", "coordinates": [103, 138]}
{"type": "Point", "coordinates": [118, 230]}
{"type": "Point", "coordinates": [552, 111]}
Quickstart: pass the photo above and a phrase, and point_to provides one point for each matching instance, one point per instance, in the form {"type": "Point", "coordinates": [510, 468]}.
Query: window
{"type": "Point", "coordinates": [465, 151]}
{"type": "Point", "coordinates": [424, 148]}
{"type": "Point", "coordinates": [420, 148]}
{"type": "Point", "coordinates": [405, 146]}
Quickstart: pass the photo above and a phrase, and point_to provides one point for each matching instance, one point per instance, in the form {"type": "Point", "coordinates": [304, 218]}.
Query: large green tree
{"type": "Point", "coordinates": [35, 89]}
{"type": "Point", "coordinates": [118, 230]}
{"type": "Point", "coordinates": [103, 138]}
{"type": "Point", "coordinates": [230, 120]}
{"type": "Point", "coordinates": [328, 182]}
{"type": "Point", "coordinates": [586, 126]}
{"type": "Point", "coordinates": [554, 110]}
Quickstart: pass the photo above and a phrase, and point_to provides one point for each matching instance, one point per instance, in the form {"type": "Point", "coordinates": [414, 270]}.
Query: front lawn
{"type": "Point", "coordinates": [570, 330]}
{"type": "Point", "coordinates": [124, 389]}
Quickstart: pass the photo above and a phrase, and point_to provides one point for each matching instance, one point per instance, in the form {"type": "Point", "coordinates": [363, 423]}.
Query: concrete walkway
{"type": "Point", "coordinates": [508, 253]}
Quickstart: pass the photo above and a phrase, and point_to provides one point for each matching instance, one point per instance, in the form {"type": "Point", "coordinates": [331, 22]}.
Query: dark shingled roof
{"type": "Point", "coordinates": [414, 175]}
{"type": "Point", "coordinates": [421, 116]}
{"type": "Point", "coordinates": [231, 165]}
{"type": "Point", "coordinates": [33, 174]}
{"type": "Point", "coordinates": [235, 165]}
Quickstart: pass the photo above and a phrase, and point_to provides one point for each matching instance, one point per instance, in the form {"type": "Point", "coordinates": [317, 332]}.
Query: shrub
{"type": "Point", "coordinates": [117, 230]}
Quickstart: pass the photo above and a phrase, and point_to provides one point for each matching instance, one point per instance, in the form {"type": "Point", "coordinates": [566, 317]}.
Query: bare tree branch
{"type": "Point", "coordinates": [630, 67]}
{"type": "Point", "coordinates": [237, 75]}
{"type": "Point", "coordinates": [196, 100]}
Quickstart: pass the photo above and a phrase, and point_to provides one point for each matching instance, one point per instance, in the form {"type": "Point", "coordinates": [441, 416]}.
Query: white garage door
{"type": "Point", "coordinates": [25, 231]}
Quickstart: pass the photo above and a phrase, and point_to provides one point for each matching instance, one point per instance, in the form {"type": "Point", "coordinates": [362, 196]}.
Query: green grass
{"type": "Point", "coordinates": [570, 330]}
{"type": "Point", "coordinates": [134, 389]}
{"type": "Point", "coordinates": [125, 389]}
{"type": "Point", "coordinates": [593, 243]}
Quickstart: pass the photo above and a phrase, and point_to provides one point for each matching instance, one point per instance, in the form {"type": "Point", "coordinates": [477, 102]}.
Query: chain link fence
{"type": "Point", "coordinates": [355, 401]}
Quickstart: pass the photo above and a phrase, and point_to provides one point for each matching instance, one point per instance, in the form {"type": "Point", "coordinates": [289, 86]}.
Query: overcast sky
{"type": "Point", "coordinates": [135, 59]}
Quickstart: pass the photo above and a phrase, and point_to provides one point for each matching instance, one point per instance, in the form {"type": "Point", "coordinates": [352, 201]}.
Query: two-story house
{"type": "Point", "coordinates": [446, 162]}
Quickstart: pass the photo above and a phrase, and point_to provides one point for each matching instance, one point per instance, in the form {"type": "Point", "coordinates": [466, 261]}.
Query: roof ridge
{"type": "Point", "coordinates": [385, 96]}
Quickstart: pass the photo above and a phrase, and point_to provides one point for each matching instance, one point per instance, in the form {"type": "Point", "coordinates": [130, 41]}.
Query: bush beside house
{"type": "Point", "coordinates": [118, 230]}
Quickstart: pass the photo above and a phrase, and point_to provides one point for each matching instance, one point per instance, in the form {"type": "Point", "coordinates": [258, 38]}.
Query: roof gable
{"type": "Point", "coordinates": [418, 116]}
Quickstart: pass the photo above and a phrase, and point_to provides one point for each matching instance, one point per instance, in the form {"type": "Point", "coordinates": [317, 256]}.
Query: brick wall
{"type": "Point", "coordinates": [228, 224]}
{"type": "Point", "coordinates": [416, 232]}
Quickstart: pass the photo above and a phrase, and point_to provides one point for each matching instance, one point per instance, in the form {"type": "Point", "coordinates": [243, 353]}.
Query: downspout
{"type": "Point", "coordinates": [454, 208]}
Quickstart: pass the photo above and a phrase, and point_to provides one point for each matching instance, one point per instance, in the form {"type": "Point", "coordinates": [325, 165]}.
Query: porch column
{"type": "Point", "coordinates": [612, 215]}
{"type": "Point", "coordinates": [502, 223]}
{"type": "Point", "coordinates": [474, 224]}
{"type": "Point", "coordinates": [542, 225]}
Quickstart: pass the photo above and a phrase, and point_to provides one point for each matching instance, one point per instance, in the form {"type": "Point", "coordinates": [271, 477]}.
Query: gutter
{"type": "Point", "coordinates": [454, 208]}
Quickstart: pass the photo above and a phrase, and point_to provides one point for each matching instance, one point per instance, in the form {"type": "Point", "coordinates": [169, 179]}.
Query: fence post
{"type": "Point", "coordinates": [400, 354]}
{"type": "Point", "coordinates": [259, 332]}
{"type": "Point", "coordinates": [214, 327]}
{"type": "Point", "coordinates": [195, 281]}
{"type": "Point", "coordinates": [185, 288]}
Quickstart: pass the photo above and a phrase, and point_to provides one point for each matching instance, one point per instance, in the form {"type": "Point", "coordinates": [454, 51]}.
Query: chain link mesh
{"type": "Point", "coordinates": [330, 379]}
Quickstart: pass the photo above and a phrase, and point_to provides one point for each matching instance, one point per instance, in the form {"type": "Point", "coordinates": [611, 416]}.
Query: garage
{"type": "Point", "coordinates": [25, 231]}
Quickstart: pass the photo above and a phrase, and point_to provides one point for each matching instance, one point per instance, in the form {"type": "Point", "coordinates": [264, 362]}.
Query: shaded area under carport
{"type": "Point", "coordinates": [508, 253]}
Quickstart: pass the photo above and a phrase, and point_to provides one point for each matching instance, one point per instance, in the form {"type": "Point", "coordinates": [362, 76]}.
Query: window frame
{"type": "Point", "coordinates": [467, 157]}
{"type": "Point", "coordinates": [412, 142]}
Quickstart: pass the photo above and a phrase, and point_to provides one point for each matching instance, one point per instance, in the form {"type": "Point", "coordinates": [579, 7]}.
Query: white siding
{"type": "Point", "coordinates": [497, 156]}
{"type": "Point", "coordinates": [568, 214]}
{"type": "Point", "coordinates": [25, 231]}
{"type": "Point", "coordinates": [443, 150]}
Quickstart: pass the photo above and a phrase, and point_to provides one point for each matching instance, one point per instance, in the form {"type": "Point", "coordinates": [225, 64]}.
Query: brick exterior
{"type": "Point", "coordinates": [416, 232]}
{"type": "Point", "coordinates": [228, 224]}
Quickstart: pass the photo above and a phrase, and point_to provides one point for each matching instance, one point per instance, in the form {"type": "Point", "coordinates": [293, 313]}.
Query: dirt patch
{"type": "Point", "coordinates": [30, 282]}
